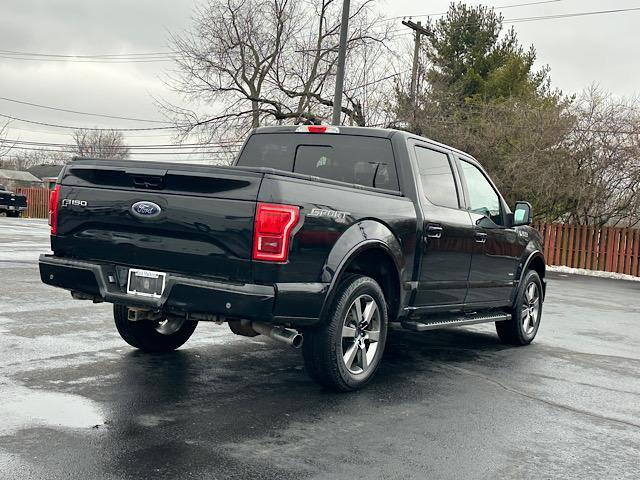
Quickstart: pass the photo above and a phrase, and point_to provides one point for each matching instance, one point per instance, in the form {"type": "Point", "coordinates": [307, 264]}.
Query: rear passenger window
{"type": "Point", "coordinates": [362, 160]}
{"type": "Point", "coordinates": [319, 161]}
{"type": "Point", "coordinates": [437, 179]}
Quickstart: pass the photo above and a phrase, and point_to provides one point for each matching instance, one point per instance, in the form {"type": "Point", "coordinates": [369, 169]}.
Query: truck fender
{"type": "Point", "coordinates": [530, 255]}
{"type": "Point", "coordinates": [361, 236]}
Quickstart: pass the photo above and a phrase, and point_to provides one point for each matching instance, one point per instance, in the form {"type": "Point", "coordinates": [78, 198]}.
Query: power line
{"type": "Point", "coordinates": [403, 33]}
{"type": "Point", "coordinates": [69, 151]}
{"type": "Point", "coordinates": [7, 57]}
{"type": "Point", "coordinates": [69, 127]}
{"type": "Point", "coordinates": [166, 146]}
{"type": "Point", "coordinates": [97, 55]}
{"type": "Point", "coordinates": [138, 57]}
{"type": "Point", "coordinates": [373, 82]}
{"type": "Point", "coordinates": [50, 132]}
{"type": "Point", "coordinates": [81, 113]}
{"type": "Point", "coordinates": [515, 5]}
{"type": "Point", "coordinates": [569, 15]}
{"type": "Point", "coordinates": [574, 129]}
{"type": "Point", "coordinates": [500, 7]}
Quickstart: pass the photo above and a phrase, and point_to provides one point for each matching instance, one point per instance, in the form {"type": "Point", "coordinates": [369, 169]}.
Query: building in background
{"type": "Point", "coordinates": [14, 179]}
{"type": "Point", "coordinates": [47, 173]}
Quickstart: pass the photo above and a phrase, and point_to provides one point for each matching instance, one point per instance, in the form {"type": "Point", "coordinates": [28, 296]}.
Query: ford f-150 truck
{"type": "Point", "coordinates": [316, 233]}
{"type": "Point", "coordinates": [11, 204]}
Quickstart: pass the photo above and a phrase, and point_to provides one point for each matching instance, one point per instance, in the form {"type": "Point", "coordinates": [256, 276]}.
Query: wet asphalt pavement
{"type": "Point", "coordinates": [77, 402]}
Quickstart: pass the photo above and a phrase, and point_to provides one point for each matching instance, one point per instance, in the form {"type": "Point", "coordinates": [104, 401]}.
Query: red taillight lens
{"type": "Point", "coordinates": [53, 209]}
{"type": "Point", "coordinates": [272, 231]}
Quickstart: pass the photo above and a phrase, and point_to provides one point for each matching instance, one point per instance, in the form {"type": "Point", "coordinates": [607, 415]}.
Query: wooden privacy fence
{"type": "Point", "coordinates": [609, 249]}
{"type": "Point", "coordinates": [37, 202]}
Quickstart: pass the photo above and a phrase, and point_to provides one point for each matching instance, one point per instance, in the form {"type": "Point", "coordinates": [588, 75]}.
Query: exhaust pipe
{"type": "Point", "coordinates": [278, 333]}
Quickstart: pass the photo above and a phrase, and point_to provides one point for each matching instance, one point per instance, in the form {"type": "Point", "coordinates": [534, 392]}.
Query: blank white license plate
{"type": "Point", "coordinates": [146, 283]}
{"type": "Point", "coordinates": [11, 207]}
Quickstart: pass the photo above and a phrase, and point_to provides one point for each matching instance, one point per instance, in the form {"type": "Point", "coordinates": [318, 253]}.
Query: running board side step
{"type": "Point", "coordinates": [457, 321]}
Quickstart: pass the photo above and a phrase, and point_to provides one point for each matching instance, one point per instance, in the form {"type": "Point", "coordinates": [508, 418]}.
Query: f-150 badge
{"type": "Point", "coordinates": [73, 203]}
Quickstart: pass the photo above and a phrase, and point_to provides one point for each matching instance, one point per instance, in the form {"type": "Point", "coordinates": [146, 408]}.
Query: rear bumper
{"type": "Point", "coordinates": [297, 304]}
{"type": "Point", "coordinates": [12, 208]}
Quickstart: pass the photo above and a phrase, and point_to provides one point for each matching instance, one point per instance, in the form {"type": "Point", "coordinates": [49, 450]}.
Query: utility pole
{"type": "Point", "coordinates": [342, 54]}
{"type": "Point", "coordinates": [420, 30]}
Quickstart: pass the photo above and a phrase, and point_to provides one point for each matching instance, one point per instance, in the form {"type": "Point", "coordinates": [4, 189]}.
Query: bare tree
{"type": "Point", "coordinates": [23, 160]}
{"type": "Point", "coordinates": [306, 66]}
{"type": "Point", "coordinates": [5, 145]}
{"type": "Point", "coordinates": [605, 146]}
{"type": "Point", "coordinates": [100, 144]}
{"type": "Point", "coordinates": [247, 63]}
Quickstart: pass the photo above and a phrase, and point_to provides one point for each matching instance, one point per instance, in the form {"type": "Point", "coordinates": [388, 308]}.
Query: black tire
{"type": "Point", "coordinates": [147, 335]}
{"type": "Point", "coordinates": [526, 313]}
{"type": "Point", "coordinates": [325, 347]}
{"type": "Point", "coordinates": [13, 214]}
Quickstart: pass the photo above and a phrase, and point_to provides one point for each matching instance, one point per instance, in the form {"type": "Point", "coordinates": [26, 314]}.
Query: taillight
{"type": "Point", "coordinates": [53, 209]}
{"type": "Point", "coordinates": [272, 231]}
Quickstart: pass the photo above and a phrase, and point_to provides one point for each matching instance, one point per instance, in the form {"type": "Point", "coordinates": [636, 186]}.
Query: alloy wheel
{"type": "Point", "coordinates": [361, 334]}
{"type": "Point", "coordinates": [530, 309]}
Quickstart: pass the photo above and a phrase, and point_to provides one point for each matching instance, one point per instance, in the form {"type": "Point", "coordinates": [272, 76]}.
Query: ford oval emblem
{"type": "Point", "coordinates": [146, 209]}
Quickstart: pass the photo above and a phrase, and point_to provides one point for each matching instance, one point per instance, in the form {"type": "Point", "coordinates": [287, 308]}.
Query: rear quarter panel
{"type": "Point", "coordinates": [324, 238]}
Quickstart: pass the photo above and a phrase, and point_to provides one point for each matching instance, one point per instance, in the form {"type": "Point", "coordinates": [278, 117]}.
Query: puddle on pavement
{"type": "Point", "coordinates": [22, 407]}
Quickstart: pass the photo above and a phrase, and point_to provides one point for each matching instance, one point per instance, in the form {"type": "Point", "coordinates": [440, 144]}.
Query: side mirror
{"type": "Point", "coordinates": [522, 214]}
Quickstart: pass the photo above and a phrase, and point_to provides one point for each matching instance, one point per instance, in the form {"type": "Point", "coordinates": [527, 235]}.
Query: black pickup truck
{"type": "Point", "coordinates": [319, 233]}
{"type": "Point", "coordinates": [11, 204]}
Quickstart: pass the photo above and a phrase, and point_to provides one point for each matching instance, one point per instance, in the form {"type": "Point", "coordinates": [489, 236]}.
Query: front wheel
{"type": "Point", "coordinates": [154, 336]}
{"type": "Point", "coordinates": [344, 353]}
{"type": "Point", "coordinates": [525, 314]}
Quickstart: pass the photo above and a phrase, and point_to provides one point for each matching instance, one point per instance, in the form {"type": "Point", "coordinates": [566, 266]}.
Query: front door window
{"type": "Point", "coordinates": [483, 199]}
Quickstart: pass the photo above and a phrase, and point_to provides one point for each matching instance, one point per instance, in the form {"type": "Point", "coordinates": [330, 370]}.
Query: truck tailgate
{"type": "Point", "coordinates": [203, 226]}
{"type": "Point", "coordinates": [9, 199]}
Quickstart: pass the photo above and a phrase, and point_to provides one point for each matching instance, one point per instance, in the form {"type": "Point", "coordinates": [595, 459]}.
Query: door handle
{"type": "Point", "coordinates": [434, 231]}
{"type": "Point", "coordinates": [480, 237]}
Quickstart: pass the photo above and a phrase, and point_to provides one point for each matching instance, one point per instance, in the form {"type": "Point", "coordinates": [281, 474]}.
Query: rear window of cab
{"type": "Point", "coordinates": [366, 161]}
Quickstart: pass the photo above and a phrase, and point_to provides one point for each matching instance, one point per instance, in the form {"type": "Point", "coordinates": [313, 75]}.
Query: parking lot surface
{"type": "Point", "coordinates": [77, 402]}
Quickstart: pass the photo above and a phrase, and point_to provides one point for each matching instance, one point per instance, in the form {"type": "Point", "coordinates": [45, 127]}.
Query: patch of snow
{"type": "Point", "coordinates": [592, 273]}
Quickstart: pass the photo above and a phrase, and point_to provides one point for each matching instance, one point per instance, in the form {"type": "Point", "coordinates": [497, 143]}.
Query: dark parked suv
{"type": "Point", "coordinates": [315, 233]}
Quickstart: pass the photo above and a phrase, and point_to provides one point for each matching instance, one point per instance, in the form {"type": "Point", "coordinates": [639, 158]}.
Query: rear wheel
{"type": "Point", "coordinates": [525, 314]}
{"type": "Point", "coordinates": [13, 214]}
{"type": "Point", "coordinates": [345, 352]}
{"type": "Point", "coordinates": [162, 335]}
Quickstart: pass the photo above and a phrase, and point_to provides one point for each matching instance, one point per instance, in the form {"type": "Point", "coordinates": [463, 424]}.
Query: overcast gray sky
{"type": "Point", "coordinates": [580, 51]}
